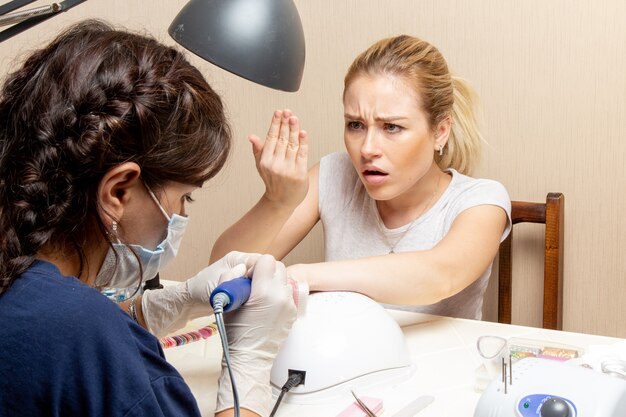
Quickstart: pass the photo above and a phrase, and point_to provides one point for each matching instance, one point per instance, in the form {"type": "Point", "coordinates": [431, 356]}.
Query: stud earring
{"type": "Point", "coordinates": [440, 150]}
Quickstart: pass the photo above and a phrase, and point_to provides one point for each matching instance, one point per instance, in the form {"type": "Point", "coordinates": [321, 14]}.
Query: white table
{"type": "Point", "coordinates": [442, 349]}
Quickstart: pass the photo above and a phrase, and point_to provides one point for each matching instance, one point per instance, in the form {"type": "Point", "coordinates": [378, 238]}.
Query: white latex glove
{"type": "Point", "coordinates": [255, 332]}
{"type": "Point", "coordinates": [169, 309]}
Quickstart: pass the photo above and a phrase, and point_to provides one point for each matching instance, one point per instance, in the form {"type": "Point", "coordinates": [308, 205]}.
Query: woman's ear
{"type": "Point", "coordinates": [443, 132]}
{"type": "Point", "coordinates": [115, 190]}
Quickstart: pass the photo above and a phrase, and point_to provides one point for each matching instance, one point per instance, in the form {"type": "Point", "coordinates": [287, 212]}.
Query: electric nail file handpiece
{"type": "Point", "coordinates": [233, 294]}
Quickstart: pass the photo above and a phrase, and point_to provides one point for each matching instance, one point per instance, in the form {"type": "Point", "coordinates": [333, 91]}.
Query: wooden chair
{"type": "Point", "coordinates": [550, 213]}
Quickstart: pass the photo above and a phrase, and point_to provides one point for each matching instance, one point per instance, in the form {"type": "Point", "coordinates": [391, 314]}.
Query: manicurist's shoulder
{"type": "Point", "coordinates": [74, 343]}
{"type": "Point", "coordinates": [55, 297]}
{"type": "Point", "coordinates": [68, 314]}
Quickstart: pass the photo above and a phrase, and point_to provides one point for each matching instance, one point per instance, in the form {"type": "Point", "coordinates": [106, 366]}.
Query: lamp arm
{"type": "Point", "coordinates": [14, 5]}
{"type": "Point", "coordinates": [29, 18]}
{"type": "Point", "coordinates": [11, 18]}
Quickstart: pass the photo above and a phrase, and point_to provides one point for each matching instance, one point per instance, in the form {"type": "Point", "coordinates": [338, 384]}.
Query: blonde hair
{"type": "Point", "coordinates": [443, 95]}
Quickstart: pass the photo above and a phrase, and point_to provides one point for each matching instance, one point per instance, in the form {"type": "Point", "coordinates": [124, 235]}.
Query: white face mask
{"type": "Point", "coordinates": [122, 271]}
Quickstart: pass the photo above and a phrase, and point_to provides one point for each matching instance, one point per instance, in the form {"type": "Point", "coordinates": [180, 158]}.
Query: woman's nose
{"type": "Point", "coordinates": [370, 147]}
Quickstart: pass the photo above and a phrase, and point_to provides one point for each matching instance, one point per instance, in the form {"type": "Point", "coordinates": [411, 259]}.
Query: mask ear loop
{"type": "Point", "coordinates": [156, 201]}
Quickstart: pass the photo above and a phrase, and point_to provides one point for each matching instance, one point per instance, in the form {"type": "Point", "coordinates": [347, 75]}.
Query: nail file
{"type": "Point", "coordinates": [415, 406]}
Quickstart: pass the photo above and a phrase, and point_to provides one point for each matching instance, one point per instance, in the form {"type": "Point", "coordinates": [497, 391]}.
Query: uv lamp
{"type": "Point", "coordinates": [344, 340]}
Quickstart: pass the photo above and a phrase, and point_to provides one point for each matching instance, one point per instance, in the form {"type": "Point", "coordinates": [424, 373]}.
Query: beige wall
{"type": "Point", "coordinates": [552, 77]}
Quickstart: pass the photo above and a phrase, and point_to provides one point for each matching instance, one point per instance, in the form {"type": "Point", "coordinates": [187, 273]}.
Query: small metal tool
{"type": "Point", "coordinates": [364, 407]}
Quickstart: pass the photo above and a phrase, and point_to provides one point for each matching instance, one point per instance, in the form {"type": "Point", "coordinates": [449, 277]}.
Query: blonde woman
{"type": "Point", "coordinates": [403, 221]}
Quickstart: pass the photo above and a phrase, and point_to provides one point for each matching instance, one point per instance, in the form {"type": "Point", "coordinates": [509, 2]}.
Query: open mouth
{"type": "Point", "coordinates": [368, 172]}
{"type": "Point", "coordinates": [374, 176]}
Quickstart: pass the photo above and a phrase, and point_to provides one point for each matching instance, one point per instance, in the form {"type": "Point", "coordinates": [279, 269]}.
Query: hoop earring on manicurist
{"type": "Point", "coordinates": [440, 150]}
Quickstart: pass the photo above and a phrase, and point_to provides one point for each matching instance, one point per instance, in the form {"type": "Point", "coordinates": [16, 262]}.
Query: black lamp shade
{"type": "Point", "coordinates": [260, 40]}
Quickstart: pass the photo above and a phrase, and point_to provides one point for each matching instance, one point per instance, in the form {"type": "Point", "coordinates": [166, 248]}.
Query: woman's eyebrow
{"type": "Point", "coordinates": [382, 118]}
{"type": "Point", "coordinates": [377, 118]}
{"type": "Point", "coordinates": [391, 118]}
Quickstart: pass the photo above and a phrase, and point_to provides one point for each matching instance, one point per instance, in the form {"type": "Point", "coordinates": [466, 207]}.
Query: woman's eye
{"type": "Point", "coordinates": [391, 128]}
{"type": "Point", "coordinates": [188, 198]}
{"type": "Point", "coordinates": [354, 125]}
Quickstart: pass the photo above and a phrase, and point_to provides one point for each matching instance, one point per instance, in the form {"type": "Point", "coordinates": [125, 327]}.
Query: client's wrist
{"type": "Point", "coordinates": [301, 273]}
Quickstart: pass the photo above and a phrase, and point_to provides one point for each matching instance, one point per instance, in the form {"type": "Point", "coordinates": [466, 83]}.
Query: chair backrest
{"type": "Point", "coordinates": [550, 213]}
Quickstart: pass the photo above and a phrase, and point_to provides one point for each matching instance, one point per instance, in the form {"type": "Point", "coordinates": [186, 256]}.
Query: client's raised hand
{"type": "Point", "coordinates": [281, 159]}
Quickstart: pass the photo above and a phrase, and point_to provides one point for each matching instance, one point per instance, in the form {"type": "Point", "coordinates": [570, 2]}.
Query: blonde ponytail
{"type": "Point", "coordinates": [463, 150]}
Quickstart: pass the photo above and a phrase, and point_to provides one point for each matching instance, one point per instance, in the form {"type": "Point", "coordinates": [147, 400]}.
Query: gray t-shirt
{"type": "Point", "coordinates": [353, 228]}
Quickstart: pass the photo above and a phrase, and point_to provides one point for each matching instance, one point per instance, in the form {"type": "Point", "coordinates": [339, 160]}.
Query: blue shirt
{"type": "Point", "coordinates": [66, 350]}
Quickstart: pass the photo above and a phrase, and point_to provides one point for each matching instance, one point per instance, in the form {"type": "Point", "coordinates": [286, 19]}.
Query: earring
{"type": "Point", "coordinates": [440, 149]}
{"type": "Point", "coordinates": [114, 228]}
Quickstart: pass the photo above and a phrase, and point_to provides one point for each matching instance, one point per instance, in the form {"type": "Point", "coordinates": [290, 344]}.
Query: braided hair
{"type": "Point", "coordinates": [93, 98]}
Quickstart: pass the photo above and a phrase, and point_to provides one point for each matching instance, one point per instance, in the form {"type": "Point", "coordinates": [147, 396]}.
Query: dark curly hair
{"type": "Point", "coordinates": [94, 98]}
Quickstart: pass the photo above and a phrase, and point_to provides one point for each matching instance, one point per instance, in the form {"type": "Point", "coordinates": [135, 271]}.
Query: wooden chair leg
{"type": "Point", "coordinates": [505, 265]}
{"type": "Point", "coordinates": [553, 272]}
